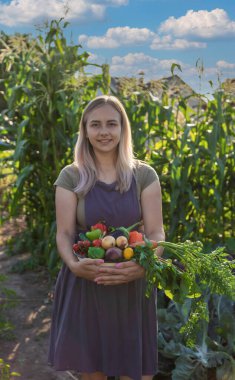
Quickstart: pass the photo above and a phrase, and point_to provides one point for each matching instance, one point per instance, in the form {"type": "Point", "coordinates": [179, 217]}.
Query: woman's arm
{"type": "Point", "coordinates": [151, 204]}
{"type": "Point", "coordinates": [66, 205]}
{"type": "Point", "coordinates": [66, 208]}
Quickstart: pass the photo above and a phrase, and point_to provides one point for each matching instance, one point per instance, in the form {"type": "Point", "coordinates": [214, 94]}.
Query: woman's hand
{"type": "Point", "coordinates": [121, 273]}
{"type": "Point", "coordinates": [86, 268]}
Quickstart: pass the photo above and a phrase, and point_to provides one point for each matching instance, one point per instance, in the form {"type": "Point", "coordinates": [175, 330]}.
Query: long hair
{"type": "Point", "coordinates": [84, 158]}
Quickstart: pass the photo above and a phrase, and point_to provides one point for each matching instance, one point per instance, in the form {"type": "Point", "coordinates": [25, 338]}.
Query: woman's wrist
{"type": "Point", "coordinates": [73, 264]}
{"type": "Point", "coordinates": [159, 251]}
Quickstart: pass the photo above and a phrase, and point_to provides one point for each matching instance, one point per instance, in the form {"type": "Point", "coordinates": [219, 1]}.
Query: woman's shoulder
{"type": "Point", "coordinates": [144, 173]}
{"type": "Point", "coordinates": [143, 167]}
{"type": "Point", "coordinates": [68, 177]}
{"type": "Point", "coordinates": [70, 169]}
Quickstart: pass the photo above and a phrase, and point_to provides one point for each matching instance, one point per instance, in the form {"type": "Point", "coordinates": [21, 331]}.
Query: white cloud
{"type": "Point", "coordinates": [122, 36]}
{"type": "Point", "coordinates": [134, 58]}
{"type": "Point", "coordinates": [113, 2]}
{"type": "Point", "coordinates": [132, 63]}
{"type": "Point", "coordinates": [225, 65]}
{"type": "Point", "coordinates": [119, 36]}
{"type": "Point", "coordinates": [202, 23]}
{"type": "Point", "coordinates": [168, 43]}
{"type": "Point", "coordinates": [27, 11]}
{"type": "Point", "coordinates": [173, 34]}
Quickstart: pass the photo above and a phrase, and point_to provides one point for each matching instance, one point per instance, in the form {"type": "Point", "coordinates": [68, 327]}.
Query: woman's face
{"type": "Point", "coordinates": [103, 129]}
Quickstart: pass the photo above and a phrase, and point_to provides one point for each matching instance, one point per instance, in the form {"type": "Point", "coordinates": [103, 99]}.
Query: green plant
{"type": "Point", "coordinates": [215, 347]}
{"type": "Point", "coordinates": [46, 90]}
{"type": "Point", "coordinates": [7, 301]}
{"type": "Point", "coordinates": [194, 157]}
{"type": "Point", "coordinates": [5, 371]}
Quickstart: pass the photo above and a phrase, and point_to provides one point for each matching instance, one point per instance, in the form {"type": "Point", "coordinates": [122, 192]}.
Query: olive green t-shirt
{"type": "Point", "coordinates": [69, 175]}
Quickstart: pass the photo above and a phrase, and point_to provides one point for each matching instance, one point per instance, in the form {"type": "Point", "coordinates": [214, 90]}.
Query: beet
{"type": "Point", "coordinates": [113, 254]}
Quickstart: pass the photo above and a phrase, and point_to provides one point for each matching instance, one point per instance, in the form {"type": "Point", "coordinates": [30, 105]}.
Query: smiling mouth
{"type": "Point", "coordinates": [104, 141]}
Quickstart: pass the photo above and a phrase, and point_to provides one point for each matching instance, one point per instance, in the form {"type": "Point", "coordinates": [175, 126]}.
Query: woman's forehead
{"type": "Point", "coordinates": [104, 111]}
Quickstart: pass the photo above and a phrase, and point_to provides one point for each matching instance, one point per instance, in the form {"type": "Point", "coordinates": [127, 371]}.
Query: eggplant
{"type": "Point", "coordinates": [116, 233]}
{"type": "Point", "coordinates": [113, 254]}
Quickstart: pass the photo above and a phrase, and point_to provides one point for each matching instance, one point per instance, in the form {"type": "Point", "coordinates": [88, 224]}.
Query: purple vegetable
{"type": "Point", "coordinates": [113, 254]}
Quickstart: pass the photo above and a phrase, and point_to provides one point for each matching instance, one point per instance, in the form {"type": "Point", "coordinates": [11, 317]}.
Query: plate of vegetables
{"type": "Point", "coordinates": [109, 243]}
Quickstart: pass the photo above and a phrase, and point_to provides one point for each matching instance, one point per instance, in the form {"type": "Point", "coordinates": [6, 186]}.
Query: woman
{"type": "Point", "coordinates": [103, 325]}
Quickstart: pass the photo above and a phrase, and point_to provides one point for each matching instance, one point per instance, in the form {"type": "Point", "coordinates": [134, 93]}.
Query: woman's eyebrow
{"type": "Point", "coordinates": [98, 121]}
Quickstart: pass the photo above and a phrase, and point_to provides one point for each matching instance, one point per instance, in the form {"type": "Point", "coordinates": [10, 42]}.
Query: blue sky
{"type": "Point", "coordinates": [141, 35]}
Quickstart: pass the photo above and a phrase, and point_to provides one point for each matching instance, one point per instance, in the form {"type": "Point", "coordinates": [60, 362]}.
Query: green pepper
{"type": "Point", "coordinates": [94, 234]}
{"type": "Point", "coordinates": [96, 252]}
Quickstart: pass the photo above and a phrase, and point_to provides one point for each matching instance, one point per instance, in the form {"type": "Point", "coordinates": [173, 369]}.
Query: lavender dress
{"type": "Point", "coordinates": [111, 329]}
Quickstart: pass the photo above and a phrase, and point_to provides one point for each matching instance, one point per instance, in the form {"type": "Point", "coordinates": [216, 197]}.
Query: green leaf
{"type": "Point", "coordinates": [20, 146]}
{"type": "Point", "coordinates": [194, 295]}
{"type": "Point", "coordinates": [53, 257]}
{"type": "Point", "coordinates": [187, 368]}
{"type": "Point", "coordinates": [24, 174]}
{"type": "Point", "coordinates": [174, 66]}
{"type": "Point", "coordinates": [15, 374]}
{"type": "Point", "coordinates": [226, 371]}
{"type": "Point", "coordinates": [6, 146]}
{"type": "Point", "coordinates": [59, 46]}
{"type": "Point", "coordinates": [169, 294]}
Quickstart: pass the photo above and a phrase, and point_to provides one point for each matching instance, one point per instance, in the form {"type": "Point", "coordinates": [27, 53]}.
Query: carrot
{"type": "Point", "coordinates": [154, 243]}
{"type": "Point", "coordinates": [138, 244]}
{"type": "Point", "coordinates": [142, 243]}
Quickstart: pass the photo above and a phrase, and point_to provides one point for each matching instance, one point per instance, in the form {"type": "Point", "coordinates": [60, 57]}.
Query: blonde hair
{"type": "Point", "coordinates": [84, 158]}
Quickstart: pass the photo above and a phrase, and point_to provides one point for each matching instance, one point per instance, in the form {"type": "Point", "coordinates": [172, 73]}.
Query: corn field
{"type": "Point", "coordinates": [44, 86]}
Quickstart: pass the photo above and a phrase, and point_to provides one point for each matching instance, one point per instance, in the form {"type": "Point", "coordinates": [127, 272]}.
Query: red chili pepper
{"type": "Point", "coordinates": [97, 243]}
{"type": "Point", "coordinates": [99, 226]}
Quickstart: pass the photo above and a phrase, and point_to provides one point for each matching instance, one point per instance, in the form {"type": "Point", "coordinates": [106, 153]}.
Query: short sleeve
{"type": "Point", "coordinates": [145, 175]}
{"type": "Point", "coordinates": [68, 178]}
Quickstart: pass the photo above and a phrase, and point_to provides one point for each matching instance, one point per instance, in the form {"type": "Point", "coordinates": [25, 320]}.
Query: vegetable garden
{"type": "Point", "coordinates": [45, 85]}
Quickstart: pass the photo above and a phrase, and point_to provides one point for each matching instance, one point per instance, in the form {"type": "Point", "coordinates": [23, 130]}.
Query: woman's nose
{"type": "Point", "coordinates": [103, 130]}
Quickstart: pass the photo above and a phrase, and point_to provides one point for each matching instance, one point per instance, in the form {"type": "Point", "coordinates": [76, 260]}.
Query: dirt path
{"type": "Point", "coordinates": [27, 352]}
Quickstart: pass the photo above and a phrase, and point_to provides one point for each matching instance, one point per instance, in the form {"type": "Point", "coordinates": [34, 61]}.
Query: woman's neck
{"type": "Point", "coordinates": [106, 168]}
